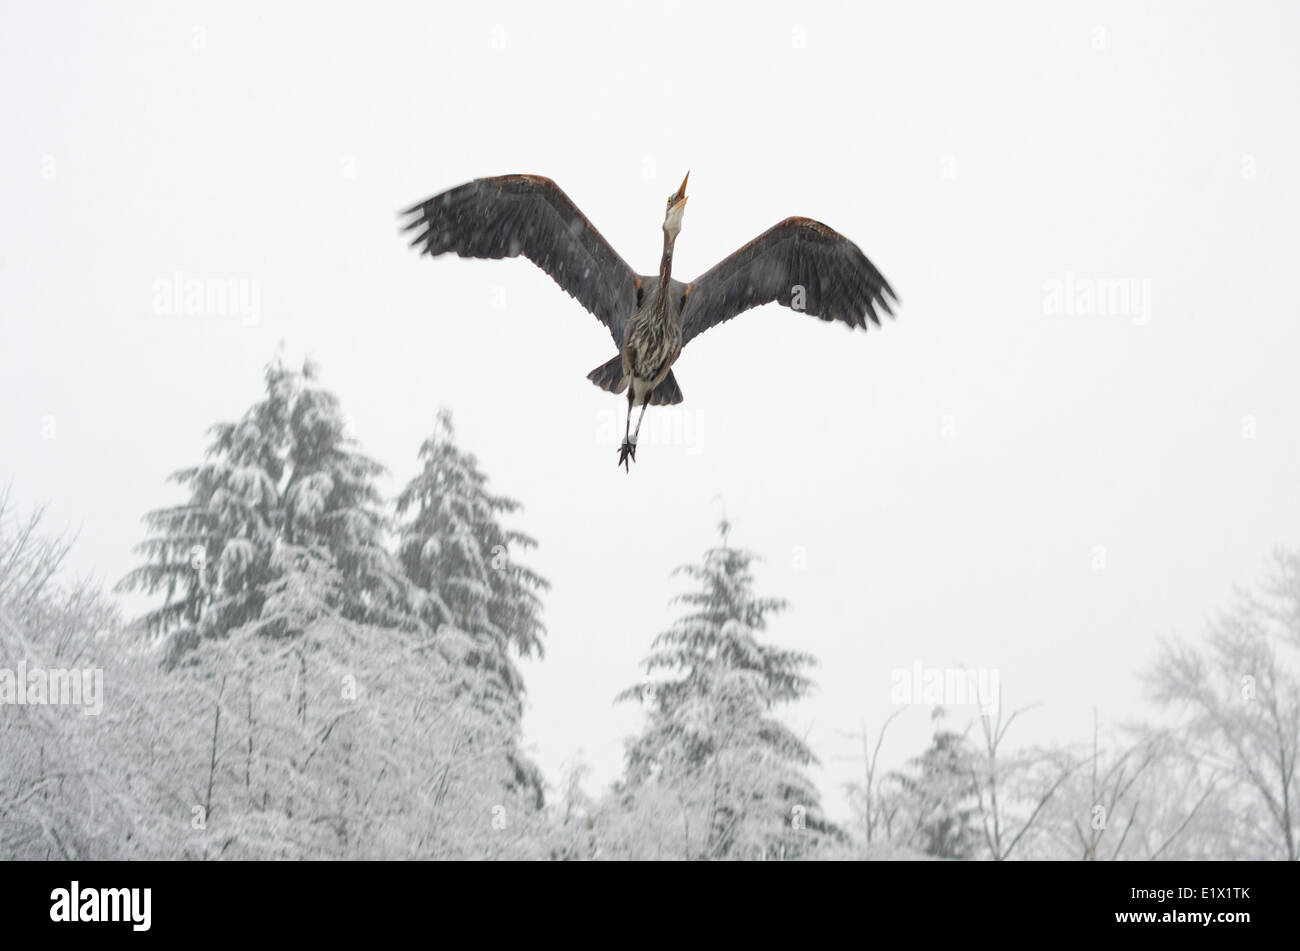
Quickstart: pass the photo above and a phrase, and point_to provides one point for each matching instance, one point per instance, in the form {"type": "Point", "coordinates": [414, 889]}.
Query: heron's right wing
{"type": "Point", "coordinates": [510, 215]}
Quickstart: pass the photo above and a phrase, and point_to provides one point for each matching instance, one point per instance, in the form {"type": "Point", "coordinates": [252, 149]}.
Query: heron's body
{"type": "Point", "coordinates": [800, 263]}
{"type": "Point", "coordinates": [651, 345]}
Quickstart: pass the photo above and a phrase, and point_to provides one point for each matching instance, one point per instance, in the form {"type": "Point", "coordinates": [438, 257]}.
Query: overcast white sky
{"type": "Point", "coordinates": [933, 492]}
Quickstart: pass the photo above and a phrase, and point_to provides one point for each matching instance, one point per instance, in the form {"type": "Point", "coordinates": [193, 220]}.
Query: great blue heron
{"type": "Point", "coordinates": [800, 263]}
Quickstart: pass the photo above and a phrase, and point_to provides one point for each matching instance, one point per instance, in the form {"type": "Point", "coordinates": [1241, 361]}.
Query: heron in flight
{"type": "Point", "coordinates": [800, 263]}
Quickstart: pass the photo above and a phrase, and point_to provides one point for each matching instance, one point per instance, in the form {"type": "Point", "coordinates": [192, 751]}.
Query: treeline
{"type": "Point", "coordinates": [329, 675]}
{"type": "Point", "coordinates": [326, 676]}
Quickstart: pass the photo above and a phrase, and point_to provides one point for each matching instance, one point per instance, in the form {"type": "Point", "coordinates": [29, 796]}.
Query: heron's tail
{"type": "Point", "coordinates": [667, 393]}
{"type": "Point", "coordinates": [609, 375]}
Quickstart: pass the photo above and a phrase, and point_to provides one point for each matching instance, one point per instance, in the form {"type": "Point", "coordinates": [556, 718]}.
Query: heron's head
{"type": "Point", "coordinates": [676, 206]}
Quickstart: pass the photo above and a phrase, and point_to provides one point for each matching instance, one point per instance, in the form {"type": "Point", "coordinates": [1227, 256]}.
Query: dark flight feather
{"type": "Point", "coordinates": [510, 215]}
{"type": "Point", "coordinates": [799, 263]}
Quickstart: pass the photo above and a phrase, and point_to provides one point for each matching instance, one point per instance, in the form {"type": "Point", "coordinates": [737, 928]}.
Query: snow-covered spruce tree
{"type": "Point", "coordinates": [332, 506]}
{"type": "Point", "coordinates": [935, 794]}
{"type": "Point", "coordinates": [714, 774]}
{"type": "Point", "coordinates": [456, 553]}
{"type": "Point", "coordinates": [226, 528]}
{"type": "Point", "coordinates": [280, 483]}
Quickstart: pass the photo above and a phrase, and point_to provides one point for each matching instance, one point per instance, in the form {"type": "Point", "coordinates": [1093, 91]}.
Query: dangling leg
{"type": "Point", "coordinates": [636, 432]}
{"type": "Point", "coordinates": [628, 449]}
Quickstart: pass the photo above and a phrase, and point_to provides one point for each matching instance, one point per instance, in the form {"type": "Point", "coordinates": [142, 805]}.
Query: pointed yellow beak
{"type": "Point", "coordinates": [679, 200]}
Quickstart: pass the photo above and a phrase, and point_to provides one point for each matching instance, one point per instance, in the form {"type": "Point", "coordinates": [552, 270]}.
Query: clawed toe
{"type": "Point", "coordinates": [627, 454]}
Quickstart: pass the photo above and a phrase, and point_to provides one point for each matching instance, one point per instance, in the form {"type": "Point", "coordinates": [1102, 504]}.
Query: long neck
{"type": "Point", "coordinates": [665, 269]}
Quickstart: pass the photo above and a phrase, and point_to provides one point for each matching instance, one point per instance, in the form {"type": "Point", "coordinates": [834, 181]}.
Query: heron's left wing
{"type": "Point", "coordinates": [509, 215]}
{"type": "Point", "coordinates": [800, 263]}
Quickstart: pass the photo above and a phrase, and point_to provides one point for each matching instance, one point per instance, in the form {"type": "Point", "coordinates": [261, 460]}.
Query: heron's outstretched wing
{"type": "Point", "coordinates": [509, 215]}
{"type": "Point", "coordinates": [800, 263]}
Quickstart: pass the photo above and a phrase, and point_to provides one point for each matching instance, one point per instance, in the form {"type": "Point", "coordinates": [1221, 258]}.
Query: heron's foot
{"type": "Point", "coordinates": [627, 452]}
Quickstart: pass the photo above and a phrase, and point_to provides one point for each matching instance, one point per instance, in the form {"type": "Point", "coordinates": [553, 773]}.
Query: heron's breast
{"type": "Point", "coordinates": [650, 350]}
